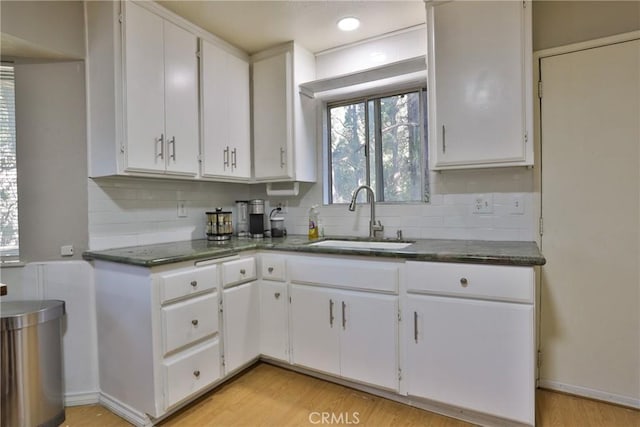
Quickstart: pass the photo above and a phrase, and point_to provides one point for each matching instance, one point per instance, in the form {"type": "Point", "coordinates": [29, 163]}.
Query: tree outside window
{"type": "Point", "coordinates": [379, 142]}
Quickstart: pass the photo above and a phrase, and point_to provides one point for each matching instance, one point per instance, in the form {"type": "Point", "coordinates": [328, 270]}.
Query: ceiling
{"type": "Point", "coordinates": [257, 25]}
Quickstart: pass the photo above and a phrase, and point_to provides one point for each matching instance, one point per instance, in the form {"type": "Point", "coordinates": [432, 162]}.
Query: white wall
{"type": "Point", "coordinates": [72, 282]}
{"type": "Point", "coordinates": [558, 23]}
{"type": "Point", "coordinates": [52, 159]}
{"type": "Point", "coordinates": [51, 28]}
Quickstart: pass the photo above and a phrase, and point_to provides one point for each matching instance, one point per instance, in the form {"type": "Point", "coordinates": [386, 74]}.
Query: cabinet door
{"type": "Point", "coordinates": [241, 313]}
{"type": "Point", "coordinates": [315, 328]}
{"type": "Point", "coordinates": [181, 100]}
{"type": "Point", "coordinates": [478, 83]}
{"type": "Point", "coordinates": [474, 354]}
{"type": "Point", "coordinates": [272, 116]}
{"type": "Point", "coordinates": [369, 338]}
{"type": "Point", "coordinates": [239, 123]}
{"type": "Point", "coordinates": [274, 320]}
{"type": "Point", "coordinates": [144, 83]}
{"type": "Point", "coordinates": [225, 114]}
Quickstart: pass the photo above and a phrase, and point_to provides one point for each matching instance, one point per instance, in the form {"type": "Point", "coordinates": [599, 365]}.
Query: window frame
{"type": "Point", "coordinates": [424, 150]}
{"type": "Point", "coordinates": [7, 257]}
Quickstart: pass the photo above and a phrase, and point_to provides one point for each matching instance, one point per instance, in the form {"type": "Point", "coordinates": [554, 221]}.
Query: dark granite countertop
{"type": "Point", "coordinates": [441, 250]}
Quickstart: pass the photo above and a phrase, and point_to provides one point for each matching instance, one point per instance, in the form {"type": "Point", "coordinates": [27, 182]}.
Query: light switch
{"type": "Point", "coordinates": [66, 250]}
{"type": "Point", "coordinates": [182, 209]}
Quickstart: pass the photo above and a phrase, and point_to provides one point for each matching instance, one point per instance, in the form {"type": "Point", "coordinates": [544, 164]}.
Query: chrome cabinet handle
{"type": "Point", "coordinates": [331, 313]}
{"type": "Point", "coordinates": [243, 271]}
{"type": "Point", "coordinates": [344, 315]}
{"type": "Point", "coordinates": [161, 141]}
{"type": "Point", "coordinates": [270, 269]}
{"type": "Point", "coordinates": [234, 158]}
{"type": "Point", "coordinates": [194, 283]}
{"type": "Point", "coordinates": [415, 326]}
{"type": "Point", "coordinates": [444, 141]}
{"type": "Point", "coordinates": [277, 295]}
{"type": "Point", "coordinates": [282, 158]}
{"type": "Point", "coordinates": [225, 157]}
{"type": "Point", "coordinates": [172, 141]}
{"type": "Point", "coordinates": [464, 282]}
{"type": "Point", "coordinates": [194, 322]}
{"type": "Point", "coordinates": [196, 373]}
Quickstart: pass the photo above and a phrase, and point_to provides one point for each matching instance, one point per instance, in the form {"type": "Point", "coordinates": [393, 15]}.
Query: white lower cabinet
{"type": "Point", "coordinates": [346, 333]}
{"type": "Point", "coordinates": [241, 314]}
{"type": "Point", "coordinates": [462, 335]}
{"type": "Point", "coordinates": [274, 320]}
{"type": "Point", "coordinates": [473, 353]}
{"type": "Point", "coordinates": [159, 336]}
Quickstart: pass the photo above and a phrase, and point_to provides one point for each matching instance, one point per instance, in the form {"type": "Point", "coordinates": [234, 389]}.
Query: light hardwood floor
{"type": "Point", "coordinates": [266, 395]}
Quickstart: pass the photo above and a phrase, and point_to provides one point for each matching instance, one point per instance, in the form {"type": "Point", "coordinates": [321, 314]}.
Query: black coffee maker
{"type": "Point", "coordinates": [256, 218]}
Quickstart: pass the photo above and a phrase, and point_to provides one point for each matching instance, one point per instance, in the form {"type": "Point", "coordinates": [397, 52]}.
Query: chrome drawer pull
{"type": "Point", "coordinates": [277, 295]}
{"type": "Point", "coordinates": [464, 282]}
{"type": "Point", "coordinates": [194, 322]}
{"type": "Point", "coordinates": [344, 316]}
{"type": "Point", "coordinates": [196, 374]}
{"type": "Point", "coordinates": [415, 326]}
{"type": "Point", "coordinates": [243, 271]}
{"type": "Point", "coordinates": [194, 283]}
{"type": "Point", "coordinates": [270, 269]}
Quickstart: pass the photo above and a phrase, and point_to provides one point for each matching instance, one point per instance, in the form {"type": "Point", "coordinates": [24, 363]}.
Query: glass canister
{"type": "Point", "coordinates": [219, 225]}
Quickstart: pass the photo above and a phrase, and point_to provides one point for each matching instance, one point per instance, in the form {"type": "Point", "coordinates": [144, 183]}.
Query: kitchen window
{"type": "Point", "coordinates": [381, 142]}
{"type": "Point", "coordinates": [9, 246]}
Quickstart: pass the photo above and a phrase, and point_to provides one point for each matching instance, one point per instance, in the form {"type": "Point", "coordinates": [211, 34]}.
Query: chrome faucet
{"type": "Point", "coordinates": [375, 230]}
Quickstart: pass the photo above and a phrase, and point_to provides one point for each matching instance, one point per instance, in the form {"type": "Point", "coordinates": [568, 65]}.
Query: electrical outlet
{"type": "Point", "coordinates": [517, 205]}
{"type": "Point", "coordinates": [182, 209]}
{"type": "Point", "coordinates": [483, 204]}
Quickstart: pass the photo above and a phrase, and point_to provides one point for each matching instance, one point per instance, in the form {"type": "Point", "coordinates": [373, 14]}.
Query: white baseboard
{"type": "Point", "coordinates": [591, 393]}
{"type": "Point", "coordinates": [82, 398]}
{"type": "Point", "coordinates": [124, 411]}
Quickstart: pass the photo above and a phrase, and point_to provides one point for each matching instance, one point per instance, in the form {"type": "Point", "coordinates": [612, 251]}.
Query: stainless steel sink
{"type": "Point", "coordinates": [361, 244]}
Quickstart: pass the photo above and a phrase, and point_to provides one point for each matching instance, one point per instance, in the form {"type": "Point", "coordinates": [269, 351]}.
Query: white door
{"type": "Point", "coordinates": [241, 314]}
{"type": "Point", "coordinates": [181, 100]}
{"type": "Point", "coordinates": [272, 116]}
{"type": "Point", "coordinates": [369, 338]}
{"type": "Point", "coordinates": [315, 323]}
{"type": "Point", "coordinates": [274, 320]}
{"type": "Point", "coordinates": [144, 82]}
{"type": "Point", "coordinates": [479, 82]}
{"type": "Point", "coordinates": [473, 354]}
{"type": "Point", "coordinates": [590, 302]}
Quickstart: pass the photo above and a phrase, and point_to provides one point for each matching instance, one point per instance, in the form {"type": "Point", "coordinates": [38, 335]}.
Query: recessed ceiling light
{"type": "Point", "coordinates": [349, 23]}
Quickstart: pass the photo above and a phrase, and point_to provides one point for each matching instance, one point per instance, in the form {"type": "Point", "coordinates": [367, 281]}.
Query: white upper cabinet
{"type": "Point", "coordinates": [284, 120]}
{"type": "Point", "coordinates": [226, 124]}
{"type": "Point", "coordinates": [480, 86]}
{"type": "Point", "coordinates": [143, 92]}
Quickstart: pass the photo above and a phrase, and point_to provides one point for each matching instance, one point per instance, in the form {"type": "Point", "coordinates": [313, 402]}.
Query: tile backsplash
{"type": "Point", "coordinates": [135, 211]}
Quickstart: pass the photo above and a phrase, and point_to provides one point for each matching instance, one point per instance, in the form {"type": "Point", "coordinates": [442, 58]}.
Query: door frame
{"type": "Point", "coordinates": [537, 169]}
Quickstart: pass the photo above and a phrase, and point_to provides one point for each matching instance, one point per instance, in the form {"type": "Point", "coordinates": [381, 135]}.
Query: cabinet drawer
{"type": "Point", "coordinates": [343, 273]}
{"type": "Point", "coordinates": [273, 268]}
{"type": "Point", "coordinates": [191, 371]}
{"type": "Point", "coordinates": [189, 321]}
{"type": "Point", "coordinates": [181, 283]}
{"type": "Point", "coordinates": [238, 271]}
{"type": "Point", "coordinates": [472, 280]}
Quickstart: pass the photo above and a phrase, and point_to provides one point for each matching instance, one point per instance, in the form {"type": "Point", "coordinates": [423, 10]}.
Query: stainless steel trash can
{"type": "Point", "coordinates": [31, 363]}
